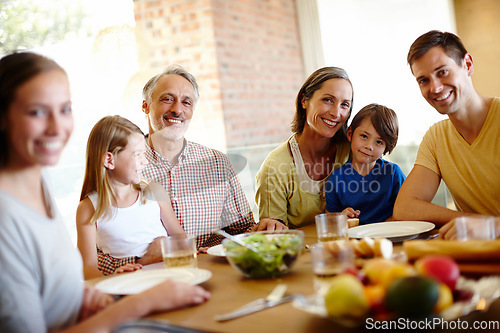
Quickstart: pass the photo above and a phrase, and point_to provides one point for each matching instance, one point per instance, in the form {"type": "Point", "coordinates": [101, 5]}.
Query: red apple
{"type": "Point", "coordinates": [439, 267]}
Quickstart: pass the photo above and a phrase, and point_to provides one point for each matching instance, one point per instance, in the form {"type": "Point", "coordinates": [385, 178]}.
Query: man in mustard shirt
{"type": "Point", "coordinates": [464, 149]}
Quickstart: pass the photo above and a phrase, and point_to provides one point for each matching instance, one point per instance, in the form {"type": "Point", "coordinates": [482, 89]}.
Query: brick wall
{"type": "Point", "coordinates": [246, 57]}
{"type": "Point", "coordinates": [260, 68]}
{"type": "Point", "coordinates": [478, 26]}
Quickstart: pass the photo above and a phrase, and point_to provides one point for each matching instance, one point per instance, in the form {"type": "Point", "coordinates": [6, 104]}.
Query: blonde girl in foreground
{"type": "Point", "coordinates": [41, 281]}
{"type": "Point", "coordinates": [122, 216]}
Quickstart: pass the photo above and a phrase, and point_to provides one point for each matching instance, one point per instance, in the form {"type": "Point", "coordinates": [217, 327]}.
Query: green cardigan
{"type": "Point", "coordinates": [279, 194]}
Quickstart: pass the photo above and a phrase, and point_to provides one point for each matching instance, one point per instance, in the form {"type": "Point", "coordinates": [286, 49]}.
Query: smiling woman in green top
{"type": "Point", "coordinates": [290, 182]}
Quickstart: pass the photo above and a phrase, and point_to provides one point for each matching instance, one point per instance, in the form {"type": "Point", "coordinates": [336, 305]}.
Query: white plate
{"type": "Point", "coordinates": [136, 282]}
{"type": "Point", "coordinates": [217, 250]}
{"type": "Point", "coordinates": [396, 231]}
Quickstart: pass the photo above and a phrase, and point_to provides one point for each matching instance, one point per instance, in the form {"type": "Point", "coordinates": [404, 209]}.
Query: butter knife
{"type": "Point", "coordinates": [244, 310]}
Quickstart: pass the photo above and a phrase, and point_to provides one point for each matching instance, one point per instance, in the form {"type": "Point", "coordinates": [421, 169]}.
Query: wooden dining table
{"type": "Point", "coordinates": [230, 289]}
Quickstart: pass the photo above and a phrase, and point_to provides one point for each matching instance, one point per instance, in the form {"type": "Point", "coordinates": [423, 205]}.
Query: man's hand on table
{"type": "Point", "coordinates": [448, 231]}
{"type": "Point", "coordinates": [269, 224]}
{"type": "Point", "coordinates": [264, 224]}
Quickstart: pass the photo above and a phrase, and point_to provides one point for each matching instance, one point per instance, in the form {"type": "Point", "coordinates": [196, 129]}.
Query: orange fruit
{"type": "Point", "coordinates": [375, 294]}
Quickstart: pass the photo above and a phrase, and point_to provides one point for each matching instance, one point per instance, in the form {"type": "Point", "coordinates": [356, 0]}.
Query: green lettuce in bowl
{"type": "Point", "coordinates": [276, 252]}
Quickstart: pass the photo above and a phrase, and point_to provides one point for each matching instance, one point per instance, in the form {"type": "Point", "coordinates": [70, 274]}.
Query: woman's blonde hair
{"type": "Point", "coordinates": [110, 134]}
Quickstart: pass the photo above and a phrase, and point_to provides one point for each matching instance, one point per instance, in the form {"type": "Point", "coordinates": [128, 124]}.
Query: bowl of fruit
{"type": "Point", "coordinates": [267, 254]}
{"type": "Point", "coordinates": [386, 290]}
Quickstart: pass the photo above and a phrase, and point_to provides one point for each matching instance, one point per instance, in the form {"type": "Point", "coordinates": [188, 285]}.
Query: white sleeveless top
{"type": "Point", "coordinates": [130, 230]}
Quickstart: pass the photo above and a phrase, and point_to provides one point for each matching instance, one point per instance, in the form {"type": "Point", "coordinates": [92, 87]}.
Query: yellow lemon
{"type": "Point", "coordinates": [346, 298]}
{"type": "Point", "coordinates": [445, 298]}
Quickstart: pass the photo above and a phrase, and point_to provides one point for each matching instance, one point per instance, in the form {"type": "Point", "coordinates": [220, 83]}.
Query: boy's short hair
{"type": "Point", "coordinates": [384, 120]}
{"type": "Point", "coordinates": [451, 44]}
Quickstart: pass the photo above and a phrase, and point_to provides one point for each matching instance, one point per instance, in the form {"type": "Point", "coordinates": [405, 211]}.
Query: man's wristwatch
{"type": "Point", "coordinates": [136, 259]}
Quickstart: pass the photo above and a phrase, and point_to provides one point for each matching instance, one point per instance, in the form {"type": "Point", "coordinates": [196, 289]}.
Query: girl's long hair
{"type": "Point", "coordinates": [110, 134]}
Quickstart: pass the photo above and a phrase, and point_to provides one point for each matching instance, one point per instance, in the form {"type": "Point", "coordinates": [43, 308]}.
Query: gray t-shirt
{"type": "Point", "coordinates": [41, 274]}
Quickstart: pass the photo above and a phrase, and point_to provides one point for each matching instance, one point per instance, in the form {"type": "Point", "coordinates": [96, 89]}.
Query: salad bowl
{"type": "Point", "coordinates": [273, 253]}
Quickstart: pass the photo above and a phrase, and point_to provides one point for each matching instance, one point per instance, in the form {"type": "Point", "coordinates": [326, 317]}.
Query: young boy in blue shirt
{"type": "Point", "coordinates": [366, 186]}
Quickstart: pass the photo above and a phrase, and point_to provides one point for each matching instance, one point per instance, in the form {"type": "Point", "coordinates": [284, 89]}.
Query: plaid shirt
{"type": "Point", "coordinates": [206, 195]}
{"type": "Point", "coordinates": [108, 264]}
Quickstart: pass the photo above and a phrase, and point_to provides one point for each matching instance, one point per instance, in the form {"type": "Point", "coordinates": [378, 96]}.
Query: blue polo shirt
{"type": "Point", "coordinates": [374, 194]}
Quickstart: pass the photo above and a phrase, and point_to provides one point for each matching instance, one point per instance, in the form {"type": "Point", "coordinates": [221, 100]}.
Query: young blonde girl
{"type": "Point", "coordinates": [120, 220]}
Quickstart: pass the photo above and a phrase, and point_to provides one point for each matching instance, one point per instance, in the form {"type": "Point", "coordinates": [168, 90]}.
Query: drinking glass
{"type": "Point", "coordinates": [178, 251]}
{"type": "Point", "coordinates": [328, 260]}
{"type": "Point", "coordinates": [475, 227]}
{"type": "Point", "coordinates": [331, 226]}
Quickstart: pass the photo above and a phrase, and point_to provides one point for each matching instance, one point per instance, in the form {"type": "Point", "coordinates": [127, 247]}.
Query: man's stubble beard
{"type": "Point", "coordinates": [172, 133]}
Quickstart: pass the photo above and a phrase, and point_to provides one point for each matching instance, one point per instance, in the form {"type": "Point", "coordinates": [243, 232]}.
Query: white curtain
{"type": "Point", "coordinates": [310, 35]}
